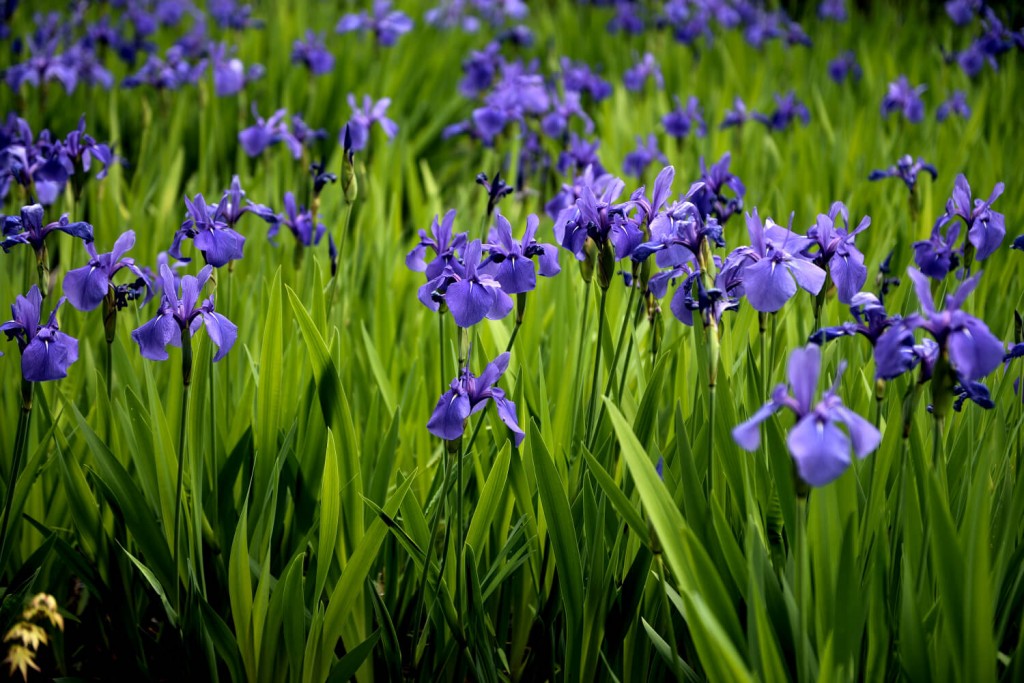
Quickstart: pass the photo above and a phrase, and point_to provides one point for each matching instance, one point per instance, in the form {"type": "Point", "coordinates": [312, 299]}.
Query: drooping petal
{"type": "Point", "coordinates": [863, 434]}
{"type": "Point", "coordinates": [502, 305]}
{"type": "Point", "coordinates": [515, 275]}
{"type": "Point", "coordinates": [849, 273]}
{"type": "Point", "coordinates": [974, 351]}
{"type": "Point", "coordinates": [820, 449]}
{"type": "Point", "coordinates": [768, 285]}
{"type": "Point", "coordinates": [469, 302]}
{"type": "Point", "coordinates": [220, 246]}
{"type": "Point", "coordinates": [46, 359]}
{"type": "Point", "coordinates": [894, 352]}
{"type": "Point", "coordinates": [507, 413]}
{"type": "Point", "coordinates": [449, 417]}
{"type": "Point", "coordinates": [86, 287]}
{"type": "Point", "coordinates": [809, 276]}
{"type": "Point", "coordinates": [222, 331]}
{"type": "Point", "coordinates": [154, 336]}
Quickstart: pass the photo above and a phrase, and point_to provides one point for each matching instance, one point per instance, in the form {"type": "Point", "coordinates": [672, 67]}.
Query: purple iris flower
{"type": "Point", "coordinates": [230, 74]}
{"type": "Point", "coordinates": [307, 135]}
{"type": "Point", "coordinates": [710, 198]}
{"type": "Point", "coordinates": [976, 392]}
{"type": "Point", "coordinates": [679, 122]}
{"type": "Point", "coordinates": [710, 303]}
{"type": "Point", "coordinates": [497, 189]}
{"type": "Point", "coordinates": [956, 104]}
{"type": "Point", "coordinates": [737, 116]}
{"type": "Point", "coordinates": [28, 229]}
{"type": "Point", "coordinates": [787, 109]}
{"type": "Point", "coordinates": [636, 162]}
{"type": "Point", "coordinates": [819, 447]}
{"type": "Point", "coordinates": [556, 122]}
{"type": "Point", "coordinates": [579, 154]}
{"type": "Point", "coordinates": [443, 243]}
{"type": "Point", "coordinates": [1019, 243]}
{"type": "Point", "coordinates": [299, 221]}
{"type": "Point", "coordinates": [170, 73]}
{"type": "Point", "coordinates": [218, 242]}
{"type": "Point", "coordinates": [837, 252]}
{"type": "Point", "coordinates": [578, 77]}
{"type": "Point", "coordinates": [973, 350]}
{"type": "Point", "coordinates": [598, 181]}
{"type": "Point", "coordinates": [962, 12]}
{"type": "Point", "coordinates": [471, 295]}
{"type": "Point", "coordinates": [937, 255]}
{"type": "Point", "coordinates": [88, 286]}
{"type": "Point", "coordinates": [229, 14]}
{"type": "Point", "coordinates": [267, 132]}
{"type": "Point", "coordinates": [362, 118]}
{"type": "Point", "coordinates": [774, 265]}
{"type": "Point", "coordinates": [677, 234]}
{"type": "Point", "coordinates": [636, 76]}
{"type": "Point", "coordinates": [904, 99]}
{"type": "Point", "coordinates": [479, 70]}
{"type": "Point", "coordinates": [871, 318]}
{"type": "Point", "coordinates": [178, 314]}
{"type": "Point", "coordinates": [468, 395]}
{"type": "Point", "coordinates": [985, 228]}
{"type": "Point", "coordinates": [46, 352]}
{"type": "Point", "coordinates": [845, 66]}
{"type": "Point", "coordinates": [511, 262]}
{"type": "Point", "coordinates": [649, 208]}
{"type": "Point", "coordinates": [233, 205]}
{"type": "Point", "coordinates": [832, 9]}
{"type": "Point", "coordinates": [313, 54]}
{"type": "Point", "coordinates": [387, 25]}
{"type": "Point", "coordinates": [599, 219]}
{"type": "Point", "coordinates": [627, 19]}
{"type": "Point", "coordinates": [907, 170]}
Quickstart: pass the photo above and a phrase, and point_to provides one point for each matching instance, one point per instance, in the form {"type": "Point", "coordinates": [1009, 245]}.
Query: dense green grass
{"type": "Point", "coordinates": [312, 482]}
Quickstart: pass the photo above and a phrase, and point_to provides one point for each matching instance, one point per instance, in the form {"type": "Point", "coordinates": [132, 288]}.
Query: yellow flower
{"type": "Point", "coordinates": [21, 658]}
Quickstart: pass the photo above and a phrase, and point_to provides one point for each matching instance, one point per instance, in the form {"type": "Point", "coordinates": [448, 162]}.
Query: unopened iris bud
{"type": "Point", "coordinates": [349, 184]}
{"type": "Point", "coordinates": [606, 265]}
{"type": "Point", "coordinates": [587, 264]}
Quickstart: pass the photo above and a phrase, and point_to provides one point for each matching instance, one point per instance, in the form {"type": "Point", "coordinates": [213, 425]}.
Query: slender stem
{"type": "Point", "coordinates": [579, 355]}
{"type": "Point", "coordinates": [460, 549]}
{"type": "Point", "coordinates": [597, 367]}
{"type": "Point", "coordinates": [20, 446]}
{"type": "Point", "coordinates": [802, 588]}
{"type": "Point", "coordinates": [676, 668]}
{"type": "Point", "coordinates": [512, 339]}
{"type": "Point", "coordinates": [629, 354]}
{"type": "Point", "coordinates": [618, 345]}
{"type": "Point", "coordinates": [762, 324]}
{"type": "Point", "coordinates": [442, 344]}
{"type": "Point", "coordinates": [186, 373]}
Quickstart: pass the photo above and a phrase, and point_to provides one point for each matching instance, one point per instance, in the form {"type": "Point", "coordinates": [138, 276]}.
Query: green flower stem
{"type": "Point", "coordinates": [802, 558]}
{"type": "Point", "coordinates": [186, 377]}
{"type": "Point", "coordinates": [597, 368]}
{"type": "Point", "coordinates": [579, 354]}
{"type": "Point", "coordinates": [676, 668]}
{"type": "Point", "coordinates": [20, 447]}
{"type": "Point", "coordinates": [441, 341]}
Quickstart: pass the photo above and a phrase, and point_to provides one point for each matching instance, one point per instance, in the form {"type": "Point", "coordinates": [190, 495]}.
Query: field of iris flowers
{"type": "Point", "coordinates": [485, 340]}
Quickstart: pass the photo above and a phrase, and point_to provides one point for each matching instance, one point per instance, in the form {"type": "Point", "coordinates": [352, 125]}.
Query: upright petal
{"type": "Point", "coordinates": [923, 291]}
{"type": "Point", "coordinates": [803, 370]}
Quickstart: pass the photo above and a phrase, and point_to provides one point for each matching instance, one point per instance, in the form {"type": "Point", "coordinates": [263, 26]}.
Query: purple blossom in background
{"type": "Point", "coordinates": [313, 54]}
{"type": "Point", "coordinates": [832, 9]}
{"type": "Point", "coordinates": [774, 265]}
{"type": "Point", "coordinates": [67, 159]}
{"type": "Point", "coordinates": [787, 109]}
{"type": "Point", "coordinates": [46, 352]}
{"type": "Point", "coordinates": [229, 14]}
{"type": "Point", "coordinates": [1019, 243]}
{"type": "Point", "coordinates": [907, 170]}
{"type": "Point", "coordinates": [362, 118]}
{"type": "Point", "coordinates": [170, 73]}
{"type": "Point", "coordinates": [819, 447]}
{"type": "Point", "coordinates": [511, 262]}
{"type": "Point", "coordinates": [636, 76]}
{"type": "Point", "coordinates": [178, 314]}
{"type": "Point", "coordinates": [299, 221]}
{"type": "Point", "coordinates": [218, 242]}
{"type": "Point", "coordinates": [837, 253]}
{"type": "Point", "coordinates": [598, 182]}
{"type": "Point", "coordinates": [28, 228]}
{"type": "Point", "coordinates": [469, 394]}
{"type": "Point", "coordinates": [579, 154]}
{"type": "Point", "coordinates": [266, 132]}
{"type": "Point", "coordinates": [444, 245]}
{"type": "Point", "coordinates": [956, 104]}
{"type": "Point", "coordinates": [710, 197]}
{"type": "Point", "coordinates": [230, 75]}
{"type": "Point", "coordinates": [556, 122]}
{"type": "Point", "coordinates": [305, 134]}
{"type": "Point", "coordinates": [845, 66]}
{"type": "Point", "coordinates": [679, 122]}
{"type": "Point", "coordinates": [900, 97]}
{"type": "Point", "coordinates": [88, 286]}
{"type": "Point", "coordinates": [480, 69]}
{"type": "Point", "coordinates": [627, 19]}
{"type": "Point", "coordinates": [985, 228]}
{"type": "Point", "coordinates": [578, 77]}
{"type": "Point", "coordinates": [973, 351]}
{"type": "Point", "coordinates": [497, 189]}
{"type": "Point", "coordinates": [387, 25]}
{"type": "Point", "coordinates": [737, 116]}
{"type": "Point", "coordinates": [636, 162]}
{"type": "Point", "coordinates": [962, 12]}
